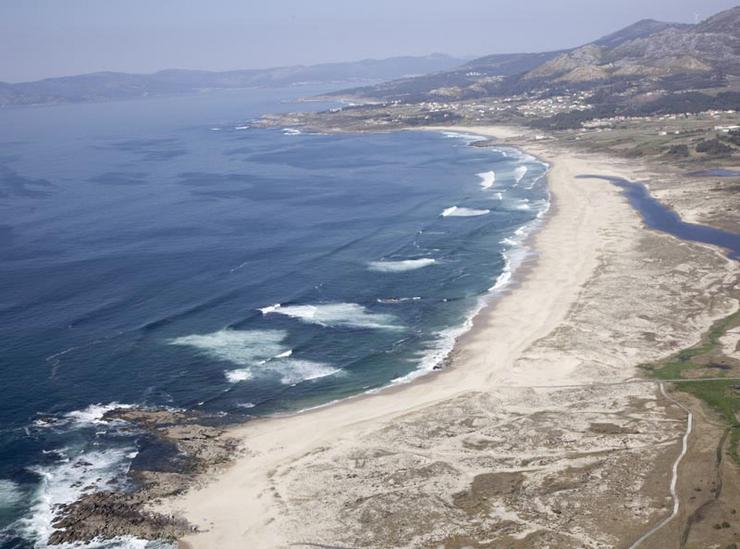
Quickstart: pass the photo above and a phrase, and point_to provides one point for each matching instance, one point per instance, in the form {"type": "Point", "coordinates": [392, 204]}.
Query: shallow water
{"type": "Point", "coordinates": [659, 217]}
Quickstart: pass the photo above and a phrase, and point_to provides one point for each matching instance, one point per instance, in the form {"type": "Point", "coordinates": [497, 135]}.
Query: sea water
{"type": "Point", "coordinates": [165, 252]}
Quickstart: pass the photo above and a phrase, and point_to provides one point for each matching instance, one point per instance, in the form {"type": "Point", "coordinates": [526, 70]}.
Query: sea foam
{"type": "Point", "coordinates": [66, 481]}
{"type": "Point", "coordinates": [350, 315]}
{"type": "Point", "coordinates": [258, 353]}
{"type": "Point", "coordinates": [456, 211]}
{"type": "Point", "coordinates": [469, 137]}
{"type": "Point", "coordinates": [487, 179]}
{"type": "Point", "coordinates": [10, 493]}
{"type": "Point", "coordinates": [519, 173]}
{"type": "Point", "coordinates": [93, 414]}
{"type": "Point", "coordinates": [401, 266]}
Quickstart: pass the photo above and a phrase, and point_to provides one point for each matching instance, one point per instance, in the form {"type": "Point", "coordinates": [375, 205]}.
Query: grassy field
{"type": "Point", "coordinates": [707, 360]}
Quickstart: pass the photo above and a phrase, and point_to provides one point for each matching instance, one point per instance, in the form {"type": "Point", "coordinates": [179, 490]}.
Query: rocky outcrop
{"type": "Point", "coordinates": [186, 444]}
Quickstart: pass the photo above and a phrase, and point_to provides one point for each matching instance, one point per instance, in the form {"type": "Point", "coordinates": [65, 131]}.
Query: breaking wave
{"type": "Point", "coordinates": [258, 353]}
{"type": "Point", "coordinates": [519, 173]}
{"type": "Point", "coordinates": [401, 266]}
{"type": "Point", "coordinates": [456, 211]}
{"type": "Point", "coordinates": [487, 179]}
{"type": "Point", "coordinates": [350, 315]}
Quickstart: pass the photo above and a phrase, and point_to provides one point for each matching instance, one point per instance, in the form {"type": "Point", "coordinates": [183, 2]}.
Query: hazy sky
{"type": "Point", "coordinates": [40, 38]}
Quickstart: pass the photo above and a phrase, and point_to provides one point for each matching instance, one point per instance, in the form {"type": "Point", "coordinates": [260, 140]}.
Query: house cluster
{"type": "Point", "coordinates": [550, 106]}
{"type": "Point", "coordinates": [609, 123]}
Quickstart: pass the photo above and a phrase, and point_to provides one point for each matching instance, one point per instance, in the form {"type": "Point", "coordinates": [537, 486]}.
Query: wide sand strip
{"type": "Point", "coordinates": [480, 450]}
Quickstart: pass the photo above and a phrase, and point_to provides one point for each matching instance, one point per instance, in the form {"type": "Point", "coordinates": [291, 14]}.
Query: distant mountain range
{"type": "Point", "coordinates": [662, 65]}
{"type": "Point", "coordinates": [646, 56]}
{"type": "Point", "coordinates": [104, 86]}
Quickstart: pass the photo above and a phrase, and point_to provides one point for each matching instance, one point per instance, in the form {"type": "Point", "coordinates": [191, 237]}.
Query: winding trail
{"type": "Point", "coordinates": [674, 477]}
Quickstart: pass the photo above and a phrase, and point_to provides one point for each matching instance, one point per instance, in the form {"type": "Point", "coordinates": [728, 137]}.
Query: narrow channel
{"type": "Point", "coordinates": [661, 218]}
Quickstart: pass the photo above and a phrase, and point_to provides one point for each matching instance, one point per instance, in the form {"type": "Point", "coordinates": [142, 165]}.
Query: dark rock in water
{"type": "Point", "coordinates": [177, 447]}
{"type": "Point", "coordinates": [111, 514]}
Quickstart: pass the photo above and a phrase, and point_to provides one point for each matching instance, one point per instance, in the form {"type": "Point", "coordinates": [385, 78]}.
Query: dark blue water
{"type": "Point", "coordinates": [160, 253]}
{"type": "Point", "coordinates": [659, 217]}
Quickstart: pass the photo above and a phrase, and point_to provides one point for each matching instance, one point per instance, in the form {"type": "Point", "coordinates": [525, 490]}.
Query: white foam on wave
{"type": "Point", "coordinates": [10, 493]}
{"type": "Point", "coordinates": [444, 342]}
{"type": "Point", "coordinates": [291, 131]}
{"type": "Point", "coordinates": [469, 137]}
{"type": "Point", "coordinates": [258, 352]}
{"type": "Point", "coordinates": [487, 179]}
{"type": "Point", "coordinates": [397, 299]}
{"type": "Point", "coordinates": [241, 127]}
{"type": "Point", "coordinates": [66, 481]}
{"type": "Point", "coordinates": [237, 346]}
{"type": "Point", "coordinates": [401, 266]}
{"type": "Point", "coordinates": [456, 211]}
{"type": "Point", "coordinates": [304, 370]}
{"type": "Point", "coordinates": [90, 416]}
{"type": "Point", "coordinates": [93, 414]}
{"type": "Point", "coordinates": [335, 314]}
{"type": "Point", "coordinates": [520, 172]}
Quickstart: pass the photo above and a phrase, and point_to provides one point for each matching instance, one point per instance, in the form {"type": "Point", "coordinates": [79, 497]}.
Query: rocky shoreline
{"type": "Point", "coordinates": [185, 444]}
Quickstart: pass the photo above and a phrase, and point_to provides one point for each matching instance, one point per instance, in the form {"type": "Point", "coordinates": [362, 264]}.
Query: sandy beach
{"type": "Point", "coordinates": [536, 403]}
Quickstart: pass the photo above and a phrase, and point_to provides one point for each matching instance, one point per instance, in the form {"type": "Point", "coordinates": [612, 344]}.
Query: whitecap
{"type": "Point", "coordinates": [335, 314]}
{"type": "Point", "coordinates": [258, 352]}
{"type": "Point", "coordinates": [93, 414]}
{"type": "Point", "coordinates": [66, 481]}
{"type": "Point", "coordinates": [401, 266]}
{"type": "Point", "coordinates": [469, 137]}
{"type": "Point", "coordinates": [235, 376]}
{"type": "Point", "coordinates": [519, 173]}
{"type": "Point", "coordinates": [243, 347]}
{"type": "Point", "coordinates": [295, 371]}
{"type": "Point", "coordinates": [487, 179]}
{"type": "Point", "coordinates": [10, 493]}
{"type": "Point", "coordinates": [291, 131]}
{"type": "Point", "coordinates": [456, 211]}
{"type": "Point", "coordinates": [397, 299]}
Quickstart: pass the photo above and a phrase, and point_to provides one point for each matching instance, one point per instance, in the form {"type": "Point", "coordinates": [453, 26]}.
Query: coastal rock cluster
{"type": "Point", "coordinates": [185, 445]}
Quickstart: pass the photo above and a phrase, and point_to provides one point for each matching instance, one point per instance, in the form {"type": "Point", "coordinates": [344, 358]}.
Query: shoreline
{"type": "Point", "coordinates": [396, 391]}
{"type": "Point", "coordinates": [245, 502]}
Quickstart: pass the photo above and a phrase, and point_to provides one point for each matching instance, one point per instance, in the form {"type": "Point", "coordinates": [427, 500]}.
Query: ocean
{"type": "Point", "coordinates": [163, 252]}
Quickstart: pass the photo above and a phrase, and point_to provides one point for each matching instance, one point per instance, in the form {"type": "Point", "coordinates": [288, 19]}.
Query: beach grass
{"type": "Point", "coordinates": [706, 360]}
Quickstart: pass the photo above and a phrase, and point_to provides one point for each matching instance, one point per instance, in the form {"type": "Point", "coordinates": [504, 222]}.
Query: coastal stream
{"type": "Point", "coordinates": [659, 217]}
